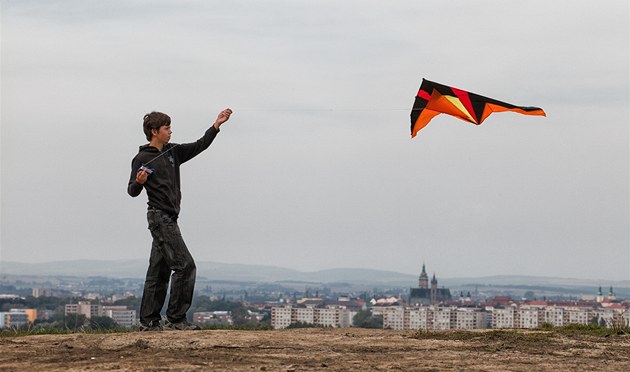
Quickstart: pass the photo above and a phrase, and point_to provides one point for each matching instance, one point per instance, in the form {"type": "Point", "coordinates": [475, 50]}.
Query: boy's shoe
{"type": "Point", "coordinates": [154, 326]}
{"type": "Point", "coordinates": [181, 326]}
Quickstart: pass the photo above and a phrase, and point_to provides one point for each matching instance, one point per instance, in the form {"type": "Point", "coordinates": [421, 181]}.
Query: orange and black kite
{"type": "Point", "coordinates": [434, 99]}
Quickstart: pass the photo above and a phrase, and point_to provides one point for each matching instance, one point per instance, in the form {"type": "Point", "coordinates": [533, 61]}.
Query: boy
{"type": "Point", "coordinates": [156, 169]}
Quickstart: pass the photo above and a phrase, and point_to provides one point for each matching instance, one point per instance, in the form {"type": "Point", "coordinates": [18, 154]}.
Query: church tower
{"type": "Point", "coordinates": [424, 278]}
{"type": "Point", "coordinates": [611, 294]}
{"type": "Point", "coordinates": [428, 293]}
{"type": "Point", "coordinates": [434, 289]}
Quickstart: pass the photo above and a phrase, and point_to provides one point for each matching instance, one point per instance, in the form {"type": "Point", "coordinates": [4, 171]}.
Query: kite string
{"type": "Point", "coordinates": [300, 109]}
{"type": "Point", "coordinates": [161, 154]}
{"type": "Point", "coordinates": [323, 109]}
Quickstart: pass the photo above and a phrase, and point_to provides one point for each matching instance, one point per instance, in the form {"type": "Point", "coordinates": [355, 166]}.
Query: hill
{"type": "Point", "coordinates": [207, 270]}
{"type": "Point", "coordinates": [341, 349]}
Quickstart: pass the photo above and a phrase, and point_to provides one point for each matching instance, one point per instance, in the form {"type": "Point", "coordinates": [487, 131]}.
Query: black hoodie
{"type": "Point", "coordinates": [163, 187]}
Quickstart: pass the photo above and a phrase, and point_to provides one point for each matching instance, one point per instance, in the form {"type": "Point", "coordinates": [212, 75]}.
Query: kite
{"type": "Point", "coordinates": [434, 99]}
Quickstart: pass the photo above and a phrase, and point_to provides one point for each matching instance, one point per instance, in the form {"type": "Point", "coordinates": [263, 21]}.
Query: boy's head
{"type": "Point", "coordinates": [154, 120]}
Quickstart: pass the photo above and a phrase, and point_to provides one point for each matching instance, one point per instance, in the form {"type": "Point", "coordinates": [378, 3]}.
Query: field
{"type": "Point", "coordinates": [317, 349]}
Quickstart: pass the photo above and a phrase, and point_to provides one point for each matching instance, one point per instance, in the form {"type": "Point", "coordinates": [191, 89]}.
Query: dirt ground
{"type": "Point", "coordinates": [346, 349]}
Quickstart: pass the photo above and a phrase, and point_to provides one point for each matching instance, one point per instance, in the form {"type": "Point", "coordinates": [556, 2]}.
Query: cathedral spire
{"type": "Point", "coordinates": [423, 281]}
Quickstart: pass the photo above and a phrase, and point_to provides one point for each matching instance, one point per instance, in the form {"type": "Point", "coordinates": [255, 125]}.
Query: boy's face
{"type": "Point", "coordinates": [163, 134]}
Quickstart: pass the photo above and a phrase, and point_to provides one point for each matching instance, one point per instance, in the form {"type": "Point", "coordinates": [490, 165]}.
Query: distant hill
{"type": "Point", "coordinates": [269, 274]}
{"type": "Point", "coordinates": [506, 280]}
{"type": "Point", "coordinates": [209, 271]}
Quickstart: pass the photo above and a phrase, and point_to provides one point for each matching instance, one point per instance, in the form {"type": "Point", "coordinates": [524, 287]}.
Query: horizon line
{"type": "Point", "coordinates": [320, 270]}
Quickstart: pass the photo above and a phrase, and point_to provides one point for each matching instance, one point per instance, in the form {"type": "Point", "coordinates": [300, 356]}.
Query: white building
{"type": "Point", "coordinates": [393, 317]}
{"type": "Point", "coordinates": [84, 308]}
{"type": "Point", "coordinates": [121, 315]}
{"type": "Point", "coordinates": [611, 316]}
{"type": "Point", "coordinates": [419, 317]}
{"type": "Point", "coordinates": [555, 316]}
{"type": "Point", "coordinates": [578, 315]}
{"type": "Point", "coordinates": [529, 317]}
{"type": "Point", "coordinates": [503, 318]}
{"type": "Point", "coordinates": [304, 315]}
{"type": "Point", "coordinates": [442, 317]}
{"type": "Point", "coordinates": [432, 317]}
{"type": "Point", "coordinates": [436, 317]}
{"type": "Point", "coordinates": [470, 318]}
{"type": "Point", "coordinates": [217, 317]}
{"type": "Point", "coordinates": [326, 316]}
{"type": "Point", "coordinates": [281, 316]}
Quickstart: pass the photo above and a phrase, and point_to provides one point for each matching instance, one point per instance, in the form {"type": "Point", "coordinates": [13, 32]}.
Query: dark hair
{"type": "Point", "coordinates": [154, 120]}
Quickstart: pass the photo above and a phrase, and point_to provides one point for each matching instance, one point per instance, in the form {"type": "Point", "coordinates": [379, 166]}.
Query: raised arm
{"type": "Point", "coordinates": [188, 151]}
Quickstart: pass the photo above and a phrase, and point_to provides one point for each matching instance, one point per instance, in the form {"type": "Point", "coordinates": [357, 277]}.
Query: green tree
{"type": "Point", "coordinates": [74, 321]}
{"type": "Point", "coordinates": [48, 303]}
{"type": "Point", "coordinates": [204, 303]}
{"type": "Point", "coordinates": [240, 316]}
{"type": "Point", "coordinates": [365, 319]}
{"type": "Point", "coordinates": [529, 295]}
{"type": "Point", "coordinates": [102, 322]}
{"type": "Point", "coordinates": [9, 303]}
{"type": "Point", "coordinates": [132, 303]}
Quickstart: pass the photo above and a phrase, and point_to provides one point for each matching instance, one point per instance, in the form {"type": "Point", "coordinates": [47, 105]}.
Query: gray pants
{"type": "Point", "coordinates": [168, 254]}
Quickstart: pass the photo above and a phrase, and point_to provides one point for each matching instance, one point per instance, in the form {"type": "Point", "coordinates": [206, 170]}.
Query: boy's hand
{"type": "Point", "coordinates": [223, 117]}
{"type": "Point", "coordinates": [142, 176]}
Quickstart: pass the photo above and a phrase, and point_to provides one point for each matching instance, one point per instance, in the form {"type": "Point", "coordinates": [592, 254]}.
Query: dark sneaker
{"type": "Point", "coordinates": [181, 326]}
{"type": "Point", "coordinates": [155, 326]}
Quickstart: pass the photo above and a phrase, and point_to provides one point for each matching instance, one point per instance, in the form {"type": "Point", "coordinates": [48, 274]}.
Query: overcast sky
{"type": "Point", "coordinates": [316, 168]}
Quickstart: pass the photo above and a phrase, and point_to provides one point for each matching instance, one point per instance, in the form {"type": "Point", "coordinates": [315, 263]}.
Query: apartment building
{"type": "Point", "coordinates": [123, 316]}
{"type": "Point", "coordinates": [84, 308]}
{"type": "Point", "coordinates": [514, 316]}
{"type": "Point", "coordinates": [393, 316]}
{"type": "Point", "coordinates": [326, 316]}
{"type": "Point", "coordinates": [418, 318]}
{"type": "Point", "coordinates": [555, 316]}
{"type": "Point", "coordinates": [470, 318]}
{"type": "Point", "coordinates": [13, 318]}
{"type": "Point", "coordinates": [444, 317]}
{"type": "Point", "coordinates": [576, 315]}
{"type": "Point", "coordinates": [281, 317]}
{"type": "Point", "coordinates": [528, 316]}
{"type": "Point", "coordinates": [304, 315]}
{"type": "Point", "coordinates": [611, 316]}
{"type": "Point", "coordinates": [221, 317]}
{"type": "Point", "coordinates": [431, 317]}
{"type": "Point", "coordinates": [503, 318]}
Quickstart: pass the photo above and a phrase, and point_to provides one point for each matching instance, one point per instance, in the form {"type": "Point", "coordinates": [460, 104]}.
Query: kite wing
{"type": "Point", "coordinates": [434, 99]}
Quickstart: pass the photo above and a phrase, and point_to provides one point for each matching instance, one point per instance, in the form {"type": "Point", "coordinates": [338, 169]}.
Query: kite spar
{"type": "Point", "coordinates": [434, 99]}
